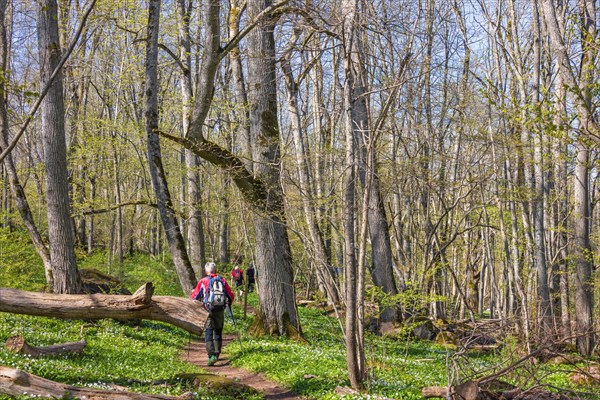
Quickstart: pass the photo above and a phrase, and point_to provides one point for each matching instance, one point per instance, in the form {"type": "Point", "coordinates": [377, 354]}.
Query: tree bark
{"type": "Point", "coordinates": [181, 312]}
{"type": "Point", "coordinates": [60, 230]}
{"type": "Point", "coordinates": [273, 253]}
{"type": "Point", "coordinates": [183, 266]}
{"type": "Point", "coordinates": [15, 382]}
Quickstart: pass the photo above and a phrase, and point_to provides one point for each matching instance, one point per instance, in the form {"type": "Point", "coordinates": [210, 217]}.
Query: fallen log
{"type": "Point", "coordinates": [434, 392]}
{"type": "Point", "coordinates": [15, 382]}
{"type": "Point", "coordinates": [17, 344]}
{"type": "Point", "coordinates": [184, 313]}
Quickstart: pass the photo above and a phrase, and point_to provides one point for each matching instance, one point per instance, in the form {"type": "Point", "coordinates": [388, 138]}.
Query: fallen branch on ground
{"type": "Point", "coordinates": [15, 382]}
{"type": "Point", "coordinates": [17, 344]}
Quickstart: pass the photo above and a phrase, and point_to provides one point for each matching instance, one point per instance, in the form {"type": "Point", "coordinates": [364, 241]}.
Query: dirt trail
{"type": "Point", "coordinates": [195, 352]}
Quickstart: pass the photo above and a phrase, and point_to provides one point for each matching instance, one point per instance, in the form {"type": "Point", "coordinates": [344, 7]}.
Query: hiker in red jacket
{"type": "Point", "coordinates": [237, 277]}
{"type": "Point", "coordinates": [216, 294]}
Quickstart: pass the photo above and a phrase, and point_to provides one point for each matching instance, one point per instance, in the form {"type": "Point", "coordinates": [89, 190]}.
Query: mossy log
{"type": "Point", "coordinates": [184, 313]}
{"type": "Point", "coordinates": [17, 344]}
{"type": "Point", "coordinates": [15, 382]}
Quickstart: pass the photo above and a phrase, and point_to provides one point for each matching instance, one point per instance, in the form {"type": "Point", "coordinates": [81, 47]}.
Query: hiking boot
{"type": "Point", "coordinates": [212, 360]}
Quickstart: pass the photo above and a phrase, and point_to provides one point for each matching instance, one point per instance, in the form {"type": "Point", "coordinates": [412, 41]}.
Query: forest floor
{"type": "Point", "coordinates": [195, 353]}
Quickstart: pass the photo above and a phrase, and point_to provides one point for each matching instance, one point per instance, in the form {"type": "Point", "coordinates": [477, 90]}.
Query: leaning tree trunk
{"type": "Point", "coordinates": [66, 277]}
{"type": "Point", "coordinates": [273, 254]}
{"type": "Point", "coordinates": [183, 266]}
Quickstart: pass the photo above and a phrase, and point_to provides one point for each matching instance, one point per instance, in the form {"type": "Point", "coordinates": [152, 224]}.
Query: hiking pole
{"type": "Point", "coordinates": [230, 313]}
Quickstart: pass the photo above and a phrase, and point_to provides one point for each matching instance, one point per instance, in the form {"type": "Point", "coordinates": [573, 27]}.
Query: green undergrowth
{"type": "Point", "coordinates": [144, 358]}
{"type": "Point", "coordinates": [396, 369]}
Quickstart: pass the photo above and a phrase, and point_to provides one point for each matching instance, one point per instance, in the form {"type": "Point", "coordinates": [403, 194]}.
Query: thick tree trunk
{"type": "Point", "coordinates": [60, 230]}
{"type": "Point", "coordinates": [181, 312]}
{"type": "Point", "coordinates": [183, 266]}
{"type": "Point", "coordinates": [273, 253]}
{"type": "Point", "coordinates": [15, 382]}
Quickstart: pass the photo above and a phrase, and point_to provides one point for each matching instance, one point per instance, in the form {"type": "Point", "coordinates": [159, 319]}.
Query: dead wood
{"type": "Point", "coordinates": [344, 390]}
{"type": "Point", "coordinates": [181, 312]}
{"type": "Point", "coordinates": [14, 382]}
{"type": "Point", "coordinates": [434, 392]}
{"type": "Point", "coordinates": [17, 344]}
{"type": "Point", "coordinates": [471, 390]}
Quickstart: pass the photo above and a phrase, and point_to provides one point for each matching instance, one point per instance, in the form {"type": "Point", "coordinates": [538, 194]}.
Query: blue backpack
{"type": "Point", "coordinates": [215, 298]}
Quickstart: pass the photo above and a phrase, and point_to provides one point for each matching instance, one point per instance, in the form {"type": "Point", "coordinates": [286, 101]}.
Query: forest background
{"type": "Point", "coordinates": [439, 153]}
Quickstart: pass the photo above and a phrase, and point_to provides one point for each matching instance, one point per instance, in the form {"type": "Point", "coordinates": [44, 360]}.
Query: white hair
{"type": "Point", "coordinates": [210, 267]}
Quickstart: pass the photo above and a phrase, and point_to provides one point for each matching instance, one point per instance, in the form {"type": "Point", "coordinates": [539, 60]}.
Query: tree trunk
{"type": "Point", "coordinates": [184, 313]}
{"type": "Point", "coordinates": [582, 254]}
{"type": "Point", "coordinates": [588, 128]}
{"type": "Point", "coordinates": [11, 171]}
{"type": "Point", "coordinates": [544, 304]}
{"type": "Point", "coordinates": [195, 231]}
{"type": "Point", "coordinates": [224, 226]}
{"type": "Point", "coordinates": [273, 253]}
{"type": "Point", "coordinates": [352, 116]}
{"type": "Point", "coordinates": [175, 240]}
{"type": "Point", "coordinates": [60, 230]}
{"type": "Point", "coordinates": [382, 261]}
{"type": "Point", "coordinates": [319, 252]}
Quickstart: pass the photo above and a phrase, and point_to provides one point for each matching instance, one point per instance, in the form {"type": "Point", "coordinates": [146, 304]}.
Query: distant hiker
{"type": "Point", "coordinates": [250, 275]}
{"type": "Point", "coordinates": [237, 277]}
{"type": "Point", "coordinates": [216, 294]}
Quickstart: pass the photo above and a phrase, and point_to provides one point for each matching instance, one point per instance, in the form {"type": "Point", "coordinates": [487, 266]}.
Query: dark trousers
{"type": "Point", "coordinates": [213, 331]}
